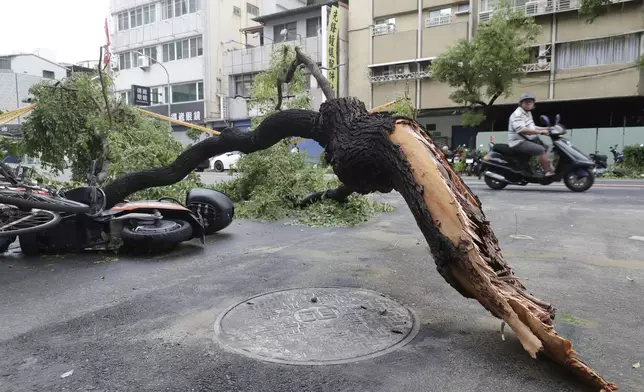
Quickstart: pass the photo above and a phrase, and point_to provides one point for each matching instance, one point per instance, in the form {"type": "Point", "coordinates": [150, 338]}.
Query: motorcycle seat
{"type": "Point", "coordinates": [505, 149]}
{"type": "Point", "coordinates": [600, 157]}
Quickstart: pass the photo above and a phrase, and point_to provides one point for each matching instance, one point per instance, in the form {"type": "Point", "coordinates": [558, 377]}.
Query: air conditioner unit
{"type": "Point", "coordinates": [532, 8]}
{"type": "Point", "coordinates": [142, 62]}
{"type": "Point", "coordinates": [402, 69]}
{"type": "Point", "coordinates": [237, 11]}
{"type": "Point", "coordinates": [485, 16]}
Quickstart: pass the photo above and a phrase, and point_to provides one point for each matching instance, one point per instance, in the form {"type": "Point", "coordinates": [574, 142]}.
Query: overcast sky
{"type": "Point", "coordinates": [68, 30]}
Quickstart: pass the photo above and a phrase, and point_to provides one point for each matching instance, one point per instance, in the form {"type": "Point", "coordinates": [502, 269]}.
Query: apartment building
{"type": "Point", "coordinates": [305, 27]}
{"type": "Point", "coordinates": [583, 71]}
{"type": "Point", "coordinates": [18, 73]}
{"type": "Point", "coordinates": [174, 48]}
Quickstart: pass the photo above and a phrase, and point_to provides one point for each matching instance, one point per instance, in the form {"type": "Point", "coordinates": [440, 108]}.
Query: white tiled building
{"type": "Point", "coordinates": [180, 42]}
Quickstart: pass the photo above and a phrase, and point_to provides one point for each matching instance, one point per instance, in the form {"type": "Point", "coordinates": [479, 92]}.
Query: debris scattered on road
{"type": "Point", "coordinates": [397, 331]}
{"type": "Point", "coordinates": [314, 299]}
{"type": "Point", "coordinates": [67, 374]}
{"type": "Point", "coordinates": [630, 279]}
{"type": "Point", "coordinates": [636, 365]}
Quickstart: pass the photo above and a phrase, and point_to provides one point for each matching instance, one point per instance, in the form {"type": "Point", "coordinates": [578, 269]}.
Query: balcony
{"type": "Point", "coordinates": [438, 21]}
{"type": "Point", "coordinates": [383, 29]}
{"type": "Point", "coordinates": [257, 59]}
{"type": "Point", "coordinates": [535, 7]}
{"type": "Point", "coordinates": [537, 67]}
{"type": "Point", "coordinates": [399, 77]}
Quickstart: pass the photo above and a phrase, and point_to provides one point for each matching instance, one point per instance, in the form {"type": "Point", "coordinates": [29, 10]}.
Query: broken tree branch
{"type": "Point", "coordinates": [323, 83]}
{"type": "Point", "coordinates": [339, 194]}
{"type": "Point", "coordinates": [373, 153]}
{"type": "Point", "coordinates": [288, 76]}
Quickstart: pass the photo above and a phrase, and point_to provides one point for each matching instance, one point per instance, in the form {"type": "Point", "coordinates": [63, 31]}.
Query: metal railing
{"type": "Point", "coordinates": [400, 76]}
{"type": "Point", "coordinates": [384, 29]}
{"type": "Point", "coordinates": [438, 20]}
{"type": "Point", "coordinates": [537, 67]}
{"type": "Point", "coordinates": [536, 7]}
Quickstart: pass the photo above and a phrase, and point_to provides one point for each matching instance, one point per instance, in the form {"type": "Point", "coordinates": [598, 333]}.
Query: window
{"type": "Point", "coordinates": [384, 26]}
{"type": "Point", "coordinates": [289, 28]}
{"type": "Point", "coordinates": [243, 84]}
{"type": "Point", "coordinates": [125, 62]}
{"type": "Point", "coordinates": [123, 21]}
{"type": "Point", "coordinates": [439, 17]}
{"type": "Point", "coordinates": [151, 52]}
{"type": "Point", "coordinates": [187, 92]}
{"type": "Point", "coordinates": [136, 17]}
{"type": "Point", "coordinates": [5, 63]}
{"type": "Point", "coordinates": [252, 10]}
{"type": "Point", "coordinates": [236, 11]}
{"type": "Point", "coordinates": [168, 52]}
{"type": "Point", "coordinates": [183, 49]}
{"type": "Point", "coordinates": [126, 96]}
{"type": "Point", "coordinates": [135, 59]}
{"type": "Point", "coordinates": [156, 96]}
{"type": "Point", "coordinates": [313, 27]}
{"type": "Point", "coordinates": [463, 8]}
{"type": "Point", "coordinates": [588, 53]}
{"type": "Point", "coordinates": [48, 74]}
{"type": "Point", "coordinates": [176, 8]}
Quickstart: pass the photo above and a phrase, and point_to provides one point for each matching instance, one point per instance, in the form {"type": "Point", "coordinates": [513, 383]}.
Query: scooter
{"type": "Point", "coordinates": [601, 163]}
{"type": "Point", "coordinates": [502, 166]}
{"type": "Point", "coordinates": [618, 157]}
{"type": "Point", "coordinates": [141, 226]}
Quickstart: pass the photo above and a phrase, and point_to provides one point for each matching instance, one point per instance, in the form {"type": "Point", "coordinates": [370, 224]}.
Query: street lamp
{"type": "Point", "coordinates": [168, 82]}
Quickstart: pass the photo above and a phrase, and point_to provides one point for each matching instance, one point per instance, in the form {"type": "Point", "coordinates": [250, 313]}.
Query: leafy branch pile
{"type": "Point", "coordinates": [71, 128]}
{"type": "Point", "coordinates": [271, 182]}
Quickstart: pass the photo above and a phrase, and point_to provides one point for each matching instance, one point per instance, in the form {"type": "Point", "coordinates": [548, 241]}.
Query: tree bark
{"type": "Point", "coordinates": [287, 123]}
{"type": "Point", "coordinates": [372, 153]}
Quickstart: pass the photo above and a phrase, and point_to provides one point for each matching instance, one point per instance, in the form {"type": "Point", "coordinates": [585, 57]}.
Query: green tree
{"type": "Point", "coordinates": [271, 182]}
{"type": "Point", "coordinates": [71, 124]}
{"type": "Point", "coordinates": [484, 69]}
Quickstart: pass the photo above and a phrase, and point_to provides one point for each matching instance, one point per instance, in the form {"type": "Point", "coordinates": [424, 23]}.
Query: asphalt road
{"type": "Point", "coordinates": [146, 324]}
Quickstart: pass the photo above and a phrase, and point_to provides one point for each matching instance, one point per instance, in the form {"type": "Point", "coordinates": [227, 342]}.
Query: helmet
{"type": "Point", "coordinates": [445, 148]}
{"type": "Point", "coordinates": [526, 96]}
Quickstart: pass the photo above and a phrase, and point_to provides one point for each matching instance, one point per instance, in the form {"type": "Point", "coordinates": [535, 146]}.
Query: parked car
{"type": "Point", "coordinates": [225, 161]}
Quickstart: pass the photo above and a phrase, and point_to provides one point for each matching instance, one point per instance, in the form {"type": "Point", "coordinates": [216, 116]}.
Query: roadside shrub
{"type": "Point", "coordinates": [634, 157]}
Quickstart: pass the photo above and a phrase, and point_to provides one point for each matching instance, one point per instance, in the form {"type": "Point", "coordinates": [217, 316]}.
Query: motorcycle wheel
{"type": "Point", "coordinates": [578, 183]}
{"type": "Point", "coordinates": [494, 184]}
{"type": "Point", "coordinates": [160, 236]}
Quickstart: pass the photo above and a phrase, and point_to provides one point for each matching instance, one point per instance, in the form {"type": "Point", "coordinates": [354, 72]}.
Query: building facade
{"type": "Point", "coordinates": [18, 73]}
{"type": "Point", "coordinates": [573, 63]}
{"type": "Point", "coordinates": [174, 48]}
{"type": "Point", "coordinates": [305, 27]}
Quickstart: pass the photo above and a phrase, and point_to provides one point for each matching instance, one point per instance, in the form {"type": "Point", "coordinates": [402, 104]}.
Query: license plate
{"type": "Point", "coordinates": [469, 160]}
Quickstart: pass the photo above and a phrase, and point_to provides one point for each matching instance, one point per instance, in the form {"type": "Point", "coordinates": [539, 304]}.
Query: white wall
{"type": "Point", "coordinates": [272, 6]}
{"type": "Point", "coordinates": [443, 123]}
{"type": "Point", "coordinates": [186, 70]}
{"type": "Point", "coordinates": [34, 65]}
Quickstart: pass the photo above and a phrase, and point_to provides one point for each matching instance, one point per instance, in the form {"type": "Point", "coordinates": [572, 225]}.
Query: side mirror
{"type": "Point", "coordinates": [557, 119]}
{"type": "Point", "coordinates": [545, 120]}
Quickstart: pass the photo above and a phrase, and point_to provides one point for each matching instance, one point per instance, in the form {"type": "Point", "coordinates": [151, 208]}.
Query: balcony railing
{"type": "Point", "coordinates": [537, 67]}
{"type": "Point", "coordinates": [383, 29]}
{"type": "Point", "coordinates": [536, 7]}
{"type": "Point", "coordinates": [400, 76]}
{"type": "Point", "coordinates": [438, 20]}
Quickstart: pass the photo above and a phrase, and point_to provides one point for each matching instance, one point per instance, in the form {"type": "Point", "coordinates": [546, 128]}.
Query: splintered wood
{"type": "Point", "coordinates": [477, 265]}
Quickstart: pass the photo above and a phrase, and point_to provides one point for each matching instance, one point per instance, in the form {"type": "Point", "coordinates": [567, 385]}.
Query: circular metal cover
{"type": "Point", "coordinates": [316, 326]}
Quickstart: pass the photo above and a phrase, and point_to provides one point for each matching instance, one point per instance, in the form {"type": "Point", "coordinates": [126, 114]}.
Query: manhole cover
{"type": "Point", "coordinates": [316, 326]}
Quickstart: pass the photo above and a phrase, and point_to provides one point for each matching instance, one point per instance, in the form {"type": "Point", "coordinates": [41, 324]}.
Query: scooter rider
{"type": "Point", "coordinates": [523, 133]}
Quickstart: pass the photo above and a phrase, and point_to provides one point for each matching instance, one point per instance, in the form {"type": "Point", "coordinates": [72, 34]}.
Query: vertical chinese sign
{"type": "Point", "coordinates": [332, 47]}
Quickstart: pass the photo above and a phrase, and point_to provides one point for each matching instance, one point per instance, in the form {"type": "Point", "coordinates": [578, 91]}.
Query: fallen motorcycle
{"type": "Point", "coordinates": [140, 226]}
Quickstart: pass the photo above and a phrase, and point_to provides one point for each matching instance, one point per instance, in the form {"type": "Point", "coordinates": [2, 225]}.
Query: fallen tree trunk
{"type": "Point", "coordinates": [373, 153]}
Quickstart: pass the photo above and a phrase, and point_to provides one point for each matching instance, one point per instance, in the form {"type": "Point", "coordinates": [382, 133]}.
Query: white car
{"type": "Point", "coordinates": [225, 161]}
